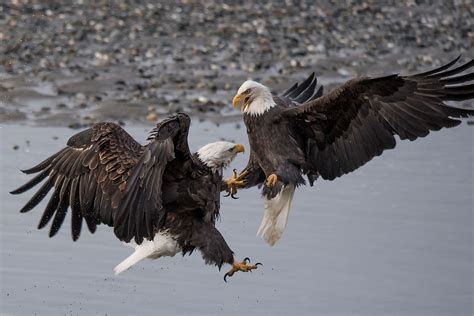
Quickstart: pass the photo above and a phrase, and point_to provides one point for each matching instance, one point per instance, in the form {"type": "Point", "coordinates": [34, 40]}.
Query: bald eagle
{"type": "Point", "coordinates": [159, 198]}
{"type": "Point", "coordinates": [303, 132]}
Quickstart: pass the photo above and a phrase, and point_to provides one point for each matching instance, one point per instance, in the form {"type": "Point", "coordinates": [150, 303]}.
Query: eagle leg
{"type": "Point", "coordinates": [241, 266]}
{"type": "Point", "coordinates": [271, 180]}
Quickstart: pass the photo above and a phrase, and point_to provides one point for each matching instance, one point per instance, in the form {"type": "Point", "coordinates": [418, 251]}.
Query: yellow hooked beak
{"type": "Point", "coordinates": [239, 148]}
{"type": "Point", "coordinates": [238, 99]}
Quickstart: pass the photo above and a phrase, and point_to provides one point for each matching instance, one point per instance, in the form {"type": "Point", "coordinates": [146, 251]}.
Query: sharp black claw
{"type": "Point", "coordinates": [258, 264]}
{"type": "Point", "coordinates": [225, 276]}
{"type": "Point", "coordinates": [246, 259]}
{"type": "Point", "coordinates": [228, 193]}
{"type": "Point", "coordinates": [233, 196]}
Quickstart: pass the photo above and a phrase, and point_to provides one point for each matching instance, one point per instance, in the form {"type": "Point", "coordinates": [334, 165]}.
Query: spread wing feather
{"type": "Point", "coordinates": [304, 92]}
{"type": "Point", "coordinates": [105, 176]}
{"type": "Point", "coordinates": [358, 120]}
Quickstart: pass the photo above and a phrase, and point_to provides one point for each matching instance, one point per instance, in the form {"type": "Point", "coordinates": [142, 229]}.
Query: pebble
{"type": "Point", "coordinates": [202, 99]}
{"type": "Point", "coordinates": [152, 117]}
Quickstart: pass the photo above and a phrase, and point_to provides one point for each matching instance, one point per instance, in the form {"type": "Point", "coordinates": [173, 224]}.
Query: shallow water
{"type": "Point", "coordinates": [394, 237]}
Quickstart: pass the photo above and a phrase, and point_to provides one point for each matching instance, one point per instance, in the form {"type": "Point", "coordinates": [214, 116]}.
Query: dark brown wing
{"type": "Point", "coordinates": [89, 176]}
{"type": "Point", "coordinates": [104, 176]}
{"type": "Point", "coordinates": [357, 121]}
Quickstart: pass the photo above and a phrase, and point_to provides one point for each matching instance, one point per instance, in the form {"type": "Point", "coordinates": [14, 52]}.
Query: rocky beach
{"type": "Point", "coordinates": [129, 61]}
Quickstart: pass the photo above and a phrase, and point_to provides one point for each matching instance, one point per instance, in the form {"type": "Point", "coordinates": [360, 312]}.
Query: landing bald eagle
{"type": "Point", "coordinates": [159, 198]}
{"type": "Point", "coordinates": [303, 132]}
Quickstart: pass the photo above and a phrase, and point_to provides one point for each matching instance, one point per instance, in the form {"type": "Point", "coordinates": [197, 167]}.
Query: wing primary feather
{"type": "Point", "coordinates": [458, 97]}
{"type": "Point", "coordinates": [301, 87]}
{"type": "Point", "coordinates": [308, 93]}
{"type": "Point", "coordinates": [63, 159]}
{"type": "Point", "coordinates": [458, 79]}
{"type": "Point", "coordinates": [466, 89]}
{"type": "Point", "coordinates": [454, 71]}
{"type": "Point", "coordinates": [33, 182]}
{"type": "Point", "coordinates": [76, 218]}
{"type": "Point", "coordinates": [122, 218]}
{"type": "Point", "coordinates": [66, 167]}
{"type": "Point", "coordinates": [285, 94]}
{"type": "Point", "coordinates": [436, 70]}
{"type": "Point", "coordinates": [62, 208]}
{"type": "Point", "coordinates": [44, 163]}
{"type": "Point", "coordinates": [91, 224]}
{"type": "Point", "coordinates": [97, 198]}
{"type": "Point", "coordinates": [139, 226]}
{"type": "Point", "coordinates": [318, 94]}
{"type": "Point", "coordinates": [38, 196]}
{"type": "Point", "coordinates": [50, 209]}
{"type": "Point", "coordinates": [90, 196]}
{"type": "Point", "coordinates": [105, 210]}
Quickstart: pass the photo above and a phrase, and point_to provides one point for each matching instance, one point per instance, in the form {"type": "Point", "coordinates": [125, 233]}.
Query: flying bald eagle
{"type": "Point", "coordinates": [303, 132]}
{"type": "Point", "coordinates": [159, 198]}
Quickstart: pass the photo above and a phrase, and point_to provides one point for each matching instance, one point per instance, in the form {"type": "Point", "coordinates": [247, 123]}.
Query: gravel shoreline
{"type": "Point", "coordinates": [71, 65]}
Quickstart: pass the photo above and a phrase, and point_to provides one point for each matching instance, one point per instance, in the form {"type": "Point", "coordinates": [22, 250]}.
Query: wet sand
{"type": "Point", "coordinates": [393, 238]}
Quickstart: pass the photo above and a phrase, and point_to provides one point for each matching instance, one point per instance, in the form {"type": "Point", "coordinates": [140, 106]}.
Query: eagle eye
{"type": "Point", "coordinates": [247, 91]}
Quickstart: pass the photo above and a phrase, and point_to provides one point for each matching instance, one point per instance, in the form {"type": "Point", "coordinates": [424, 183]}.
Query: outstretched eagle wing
{"type": "Point", "coordinates": [105, 176]}
{"type": "Point", "coordinates": [358, 120]}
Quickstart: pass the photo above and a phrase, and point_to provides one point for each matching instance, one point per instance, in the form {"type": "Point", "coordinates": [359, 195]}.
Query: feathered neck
{"type": "Point", "coordinates": [212, 165]}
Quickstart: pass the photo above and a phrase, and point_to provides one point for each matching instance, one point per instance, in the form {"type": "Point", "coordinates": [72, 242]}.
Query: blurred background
{"type": "Point", "coordinates": [71, 63]}
{"type": "Point", "coordinates": [393, 238]}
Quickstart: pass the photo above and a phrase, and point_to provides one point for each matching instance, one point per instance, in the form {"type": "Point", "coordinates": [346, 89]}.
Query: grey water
{"type": "Point", "coordinates": [393, 238]}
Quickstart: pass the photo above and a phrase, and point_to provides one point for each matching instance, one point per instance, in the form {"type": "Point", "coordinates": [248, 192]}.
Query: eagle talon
{"type": "Point", "coordinates": [234, 182]}
{"type": "Point", "coordinates": [243, 174]}
{"type": "Point", "coordinates": [241, 266]}
{"type": "Point", "coordinates": [271, 180]}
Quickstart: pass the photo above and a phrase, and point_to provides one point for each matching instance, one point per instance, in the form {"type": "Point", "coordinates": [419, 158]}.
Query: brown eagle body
{"type": "Point", "coordinates": [304, 132]}
{"type": "Point", "coordinates": [159, 198]}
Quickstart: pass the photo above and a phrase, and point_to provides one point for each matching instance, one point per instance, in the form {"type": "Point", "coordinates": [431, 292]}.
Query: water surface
{"type": "Point", "coordinates": [394, 237]}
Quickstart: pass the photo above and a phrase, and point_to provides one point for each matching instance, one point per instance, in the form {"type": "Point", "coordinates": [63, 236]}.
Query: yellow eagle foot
{"type": "Point", "coordinates": [241, 266]}
{"type": "Point", "coordinates": [234, 182]}
{"type": "Point", "coordinates": [271, 180]}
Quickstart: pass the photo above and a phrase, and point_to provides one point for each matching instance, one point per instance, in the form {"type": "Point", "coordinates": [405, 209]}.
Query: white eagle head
{"type": "Point", "coordinates": [253, 98]}
{"type": "Point", "coordinates": [219, 155]}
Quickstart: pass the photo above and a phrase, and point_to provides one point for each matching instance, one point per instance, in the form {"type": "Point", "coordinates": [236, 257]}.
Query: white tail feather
{"type": "Point", "coordinates": [161, 245]}
{"type": "Point", "coordinates": [276, 214]}
{"type": "Point", "coordinates": [141, 252]}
